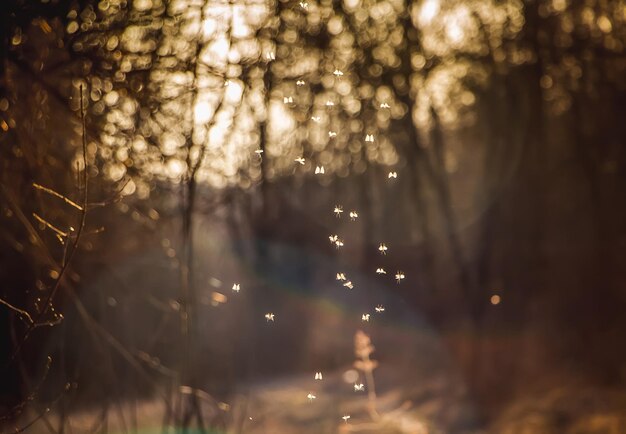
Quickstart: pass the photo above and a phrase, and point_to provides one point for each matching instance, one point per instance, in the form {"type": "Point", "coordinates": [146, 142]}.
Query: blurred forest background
{"type": "Point", "coordinates": [171, 173]}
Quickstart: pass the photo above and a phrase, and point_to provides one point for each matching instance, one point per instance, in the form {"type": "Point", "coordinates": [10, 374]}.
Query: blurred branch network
{"type": "Point", "coordinates": [483, 137]}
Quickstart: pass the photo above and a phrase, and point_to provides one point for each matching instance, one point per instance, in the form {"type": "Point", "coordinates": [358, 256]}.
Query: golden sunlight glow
{"type": "Point", "coordinates": [203, 112]}
{"type": "Point", "coordinates": [428, 11]}
{"type": "Point", "coordinates": [222, 70]}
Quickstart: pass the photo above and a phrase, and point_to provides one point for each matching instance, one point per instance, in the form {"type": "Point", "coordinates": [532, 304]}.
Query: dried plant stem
{"type": "Point", "coordinates": [49, 225]}
{"type": "Point", "coordinates": [59, 195]}
{"type": "Point", "coordinates": [363, 349]}
{"type": "Point", "coordinates": [371, 394]}
{"type": "Point", "coordinates": [74, 246]}
{"type": "Point", "coordinates": [22, 313]}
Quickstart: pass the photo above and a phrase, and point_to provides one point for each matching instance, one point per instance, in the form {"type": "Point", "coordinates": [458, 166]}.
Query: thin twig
{"type": "Point", "coordinates": [19, 311]}
{"type": "Point", "coordinates": [40, 415]}
{"type": "Point", "coordinates": [32, 232]}
{"type": "Point", "coordinates": [70, 255]}
{"type": "Point", "coordinates": [59, 195]}
{"type": "Point", "coordinates": [49, 225]}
